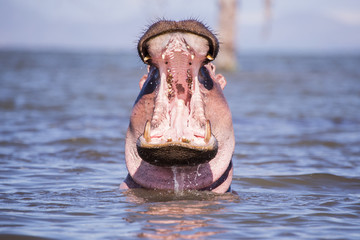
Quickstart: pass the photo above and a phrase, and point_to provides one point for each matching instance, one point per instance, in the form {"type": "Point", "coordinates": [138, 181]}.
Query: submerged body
{"type": "Point", "coordinates": [180, 135]}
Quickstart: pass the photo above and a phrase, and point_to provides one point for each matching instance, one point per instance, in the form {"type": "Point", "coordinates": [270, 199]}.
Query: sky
{"type": "Point", "coordinates": [114, 25]}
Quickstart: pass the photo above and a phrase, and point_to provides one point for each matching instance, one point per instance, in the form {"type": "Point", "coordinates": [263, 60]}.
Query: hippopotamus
{"type": "Point", "coordinates": [180, 135]}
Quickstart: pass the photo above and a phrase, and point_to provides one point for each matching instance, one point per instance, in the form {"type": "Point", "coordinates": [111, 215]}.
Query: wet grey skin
{"type": "Point", "coordinates": [180, 135]}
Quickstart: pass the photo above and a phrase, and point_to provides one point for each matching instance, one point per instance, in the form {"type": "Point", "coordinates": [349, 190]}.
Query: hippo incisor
{"type": "Point", "coordinates": [180, 135]}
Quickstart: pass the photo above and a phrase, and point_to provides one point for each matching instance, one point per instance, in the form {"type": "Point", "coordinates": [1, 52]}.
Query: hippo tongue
{"type": "Point", "coordinates": [179, 115]}
{"type": "Point", "coordinates": [178, 133]}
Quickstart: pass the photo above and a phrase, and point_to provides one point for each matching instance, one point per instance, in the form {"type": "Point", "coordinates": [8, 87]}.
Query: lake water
{"type": "Point", "coordinates": [63, 121]}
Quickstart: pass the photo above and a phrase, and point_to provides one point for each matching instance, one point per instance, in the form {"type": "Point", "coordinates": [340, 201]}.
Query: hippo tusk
{"type": "Point", "coordinates": [209, 57]}
{"type": "Point", "coordinates": [147, 131]}
{"type": "Point", "coordinates": [207, 132]}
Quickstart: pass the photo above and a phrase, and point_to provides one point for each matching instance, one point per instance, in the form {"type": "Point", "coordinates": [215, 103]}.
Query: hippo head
{"type": "Point", "coordinates": [180, 135]}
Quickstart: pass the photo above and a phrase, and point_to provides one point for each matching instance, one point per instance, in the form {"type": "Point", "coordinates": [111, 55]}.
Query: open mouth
{"type": "Point", "coordinates": [178, 134]}
{"type": "Point", "coordinates": [181, 152]}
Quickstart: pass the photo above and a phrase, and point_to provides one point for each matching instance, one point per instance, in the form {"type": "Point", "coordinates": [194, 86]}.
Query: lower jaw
{"type": "Point", "coordinates": [223, 183]}
{"type": "Point", "coordinates": [176, 154]}
{"type": "Point", "coordinates": [182, 183]}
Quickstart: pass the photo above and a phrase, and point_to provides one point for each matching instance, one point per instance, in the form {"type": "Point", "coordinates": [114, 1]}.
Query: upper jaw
{"type": "Point", "coordinates": [179, 132]}
{"type": "Point", "coordinates": [167, 45]}
{"type": "Point", "coordinates": [186, 26]}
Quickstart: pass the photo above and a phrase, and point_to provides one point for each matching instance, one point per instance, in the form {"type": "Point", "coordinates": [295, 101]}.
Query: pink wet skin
{"type": "Point", "coordinates": [180, 98]}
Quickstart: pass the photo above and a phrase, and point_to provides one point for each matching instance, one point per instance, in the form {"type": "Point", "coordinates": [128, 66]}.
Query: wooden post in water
{"type": "Point", "coordinates": [267, 18]}
{"type": "Point", "coordinates": [227, 31]}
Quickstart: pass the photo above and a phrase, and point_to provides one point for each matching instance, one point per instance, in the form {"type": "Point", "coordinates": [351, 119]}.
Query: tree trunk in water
{"type": "Point", "coordinates": [227, 31]}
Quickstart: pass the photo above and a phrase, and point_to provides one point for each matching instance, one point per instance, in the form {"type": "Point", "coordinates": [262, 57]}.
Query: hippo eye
{"type": "Point", "coordinates": [205, 79]}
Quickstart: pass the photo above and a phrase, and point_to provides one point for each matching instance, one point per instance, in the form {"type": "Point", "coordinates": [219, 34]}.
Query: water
{"type": "Point", "coordinates": [297, 158]}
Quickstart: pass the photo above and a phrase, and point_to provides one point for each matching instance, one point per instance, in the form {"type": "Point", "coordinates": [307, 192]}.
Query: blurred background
{"type": "Point", "coordinates": [111, 25]}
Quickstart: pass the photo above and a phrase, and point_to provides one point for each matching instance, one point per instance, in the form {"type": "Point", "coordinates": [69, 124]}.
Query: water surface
{"type": "Point", "coordinates": [63, 122]}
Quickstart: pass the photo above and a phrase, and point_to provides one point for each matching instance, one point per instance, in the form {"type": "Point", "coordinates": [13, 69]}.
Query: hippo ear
{"type": "Point", "coordinates": [221, 80]}
{"type": "Point", "coordinates": [143, 79]}
{"type": "Point", "coordinates": [218, 77]}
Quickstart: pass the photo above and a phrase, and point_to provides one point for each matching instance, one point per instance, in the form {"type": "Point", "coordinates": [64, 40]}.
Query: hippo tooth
{"type": "Point", "coordinates": [147, 131]}
{"type": "Point", "coordinates": [192, 56]}
{"type": "Point", "coordinates": [207, 132]}
{"type": "Point", "coordinates": [146, 58]}
{"type": "Point", "coordinates": [185, 140]}
{"type": "Point", "coordinates": [209, 57]}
